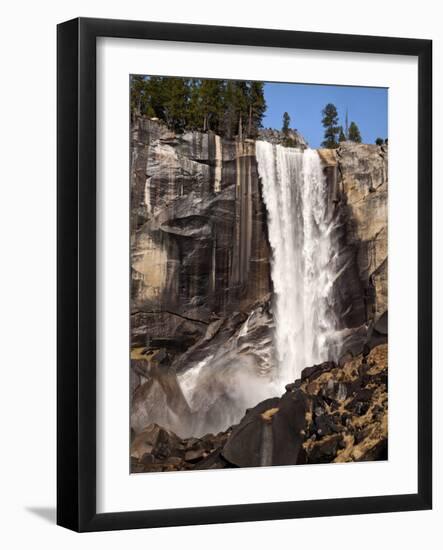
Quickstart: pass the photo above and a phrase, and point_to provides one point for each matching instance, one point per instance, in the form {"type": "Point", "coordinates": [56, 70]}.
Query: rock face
{"type": "Point", "coordinates": [200, 272]}
{"type": "Point", "coordinates": [201, 284]}
{"type": "Point", "coordinates": [332, 414]}
{"type": "Point", "coordinates": [363, 173]}
{"type": "Point", "coordinates": [359, 173]}
{"type": "Point", "coordinates": [199, 241]}
{"type": "Point", "coordinates": [279, 138]}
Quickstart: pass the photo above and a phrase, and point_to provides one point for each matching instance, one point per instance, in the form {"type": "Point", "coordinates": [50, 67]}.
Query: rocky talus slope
{"type": "Point", "coordinates": [332, 414]}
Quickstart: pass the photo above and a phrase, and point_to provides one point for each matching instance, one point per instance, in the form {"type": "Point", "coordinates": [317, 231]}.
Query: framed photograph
{"type": "Point", "coordinates": [238, 210]}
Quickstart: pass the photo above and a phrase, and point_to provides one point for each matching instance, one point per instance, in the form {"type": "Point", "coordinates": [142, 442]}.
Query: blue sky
{"type": "Point", "coordinates": [368, 107]}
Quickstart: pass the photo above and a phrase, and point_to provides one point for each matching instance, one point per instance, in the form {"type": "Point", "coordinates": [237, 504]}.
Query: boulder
{"type": "Point", "coordinates": [247, 445]}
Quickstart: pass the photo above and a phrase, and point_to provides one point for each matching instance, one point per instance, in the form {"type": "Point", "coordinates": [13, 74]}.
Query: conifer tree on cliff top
{"type": "Point", "coordinates": [330, 123]}
{"type": "Point", "coordinates": [354, 133]}
{"type": "Point", "coordinates": [227, 107]}
{"type": "Point", "coordinates": [175, 101]}
{"type": "Point", "coordinates": [256, 106]}
{"type": "Point", "coordinates": [211, 102]}
{"type": "Point", "coordinates": [286, 122]}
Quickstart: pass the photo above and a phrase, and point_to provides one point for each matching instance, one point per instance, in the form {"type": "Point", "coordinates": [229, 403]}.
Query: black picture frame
{"type": "Point", "coordinates": [76, 250]}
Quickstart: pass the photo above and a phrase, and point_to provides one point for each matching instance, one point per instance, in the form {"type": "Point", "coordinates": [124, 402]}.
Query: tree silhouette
{"type": "Point", "coordinates": [330, 123]}
{"type": "Point", "coordinates": [286, 122]}
{"type": "Point", "coordinates": [175, 101]}
{"type": "Point", "coordinates": [354, 133]}
{"type": "Point", "coordinates": [256, 107]}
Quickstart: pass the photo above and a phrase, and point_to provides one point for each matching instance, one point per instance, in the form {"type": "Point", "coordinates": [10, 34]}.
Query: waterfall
{"type": "Point", "coordinates": [301, 234]}
{"type": "Point", "coordinates": [241, 361]}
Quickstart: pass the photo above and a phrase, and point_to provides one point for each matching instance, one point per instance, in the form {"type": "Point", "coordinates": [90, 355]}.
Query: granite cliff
{"type": "Point", "coordinates": [201, 282]}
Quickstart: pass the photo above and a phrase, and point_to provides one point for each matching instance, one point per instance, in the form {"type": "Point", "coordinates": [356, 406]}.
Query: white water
{"type": "Point", "coordinates": [300, 229]}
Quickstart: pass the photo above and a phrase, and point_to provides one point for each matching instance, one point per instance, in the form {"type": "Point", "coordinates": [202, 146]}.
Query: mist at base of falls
{"type": "Point", "coordinates": [229, 372]}
{"type": "Point", "coordinates": [303, 329]}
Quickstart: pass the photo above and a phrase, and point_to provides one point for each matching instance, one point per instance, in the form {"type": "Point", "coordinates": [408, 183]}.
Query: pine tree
{"type": "Point", "coordinates": [330, 121]}
{"type": "Point", "coordinates": [140, 96]}
{"type": "Point", "coordinates": [157, 91]}
{"type": "Point", "coordinates": [286, 122]}
{"type": "Point", "coordinates": [193, 116]}
{"type": "Point", "coordinates": [341, 136]}
{"type": "Point", "coordinates": [379, 141]}
{"type": "Point", "coordinates": [228, 108]}
{"type": "Point", "coordinates": [238, 109]}
{"type": "Point", "coordinates": [176, 97]}
{"type": "Point", "coordinates": [227, 125]}
{"type": "Point", "coordinates": [354, 133]}
{"type": "Point", "coordinates": [256, 107]}
{"type": "Point", "coordinates": [288, 140]}
{"type": "Point", "coordinates": [211, 98]}
{"type": "Point", "coordinates": [241, 106]}
{"type": "Point", "coordinates": [137, 83]}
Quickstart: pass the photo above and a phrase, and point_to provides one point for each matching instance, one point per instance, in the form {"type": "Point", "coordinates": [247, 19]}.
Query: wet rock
{"type": "Point", "coordinates": [270, 434]}
{"type": "Point", "coordinates": [288, 426]}
{"type": "Point", "coordinates": [244, 446]}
